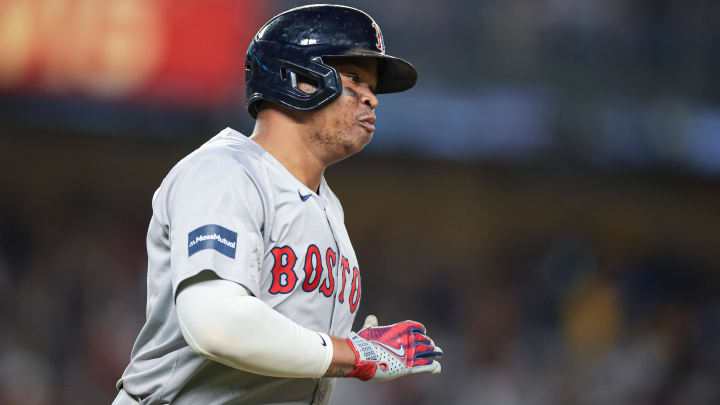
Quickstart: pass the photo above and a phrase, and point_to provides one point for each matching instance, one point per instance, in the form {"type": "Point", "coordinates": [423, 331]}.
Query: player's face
{"type": "Point", "coordinates": [346, 125]}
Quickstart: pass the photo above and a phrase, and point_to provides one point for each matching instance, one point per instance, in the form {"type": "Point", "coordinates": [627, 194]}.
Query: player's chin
{"type": "Point", "coordinates": [364, 136]}
{"type": "Point", "coordinates": [356, 143]}
{"type": "Point", "coordinates": [363, 142]}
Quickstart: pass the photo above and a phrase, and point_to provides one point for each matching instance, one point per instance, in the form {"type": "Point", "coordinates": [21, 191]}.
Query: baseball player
{"type": "Point", "coordinates": [253, 284]}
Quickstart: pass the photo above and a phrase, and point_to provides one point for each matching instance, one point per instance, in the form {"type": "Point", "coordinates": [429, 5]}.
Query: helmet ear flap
{"type": "Point", "coordinates": [324, 78]}
{"type": "Point", "coordinates": [287, 76]}
{"type": "Point", "coordinates": [278, 80]}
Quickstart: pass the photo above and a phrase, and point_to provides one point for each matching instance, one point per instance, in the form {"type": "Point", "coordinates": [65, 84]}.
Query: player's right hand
{"type": "Point", "coordinates": [388, 352]}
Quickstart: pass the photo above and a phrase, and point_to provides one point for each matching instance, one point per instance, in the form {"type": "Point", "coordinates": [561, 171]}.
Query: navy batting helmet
{"type": "Point", "coordinates": [294, 43]}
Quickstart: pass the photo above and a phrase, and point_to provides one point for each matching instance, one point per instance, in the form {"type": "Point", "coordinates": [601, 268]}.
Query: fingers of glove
{"type": "Point", "coordinates": [439, 352]}
{"type": "Point", "coordinates": [423, 339]}
{"type": "Point", "coordinates": [422, 350]}
{"type": "Point", "coordinates": [416, 327]}
{"type": "Point", "coordinates": [425, 344]}
{"type": "Point", "coordinates": [433, 368]}
{"type": "Point", "coordinates": [421, 362]}
{"type": "Point", "coordinates": [412, 325]}
{"type": "Point", "coordinates": [370, 322]}
{"type": "Point", "coordinates": [402, 332]}
{"type": "Point", "coordinates": [435, 354]}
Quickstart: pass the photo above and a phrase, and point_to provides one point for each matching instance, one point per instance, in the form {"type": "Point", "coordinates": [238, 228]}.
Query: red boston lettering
{"type": "Point", "coordinates": [355, 290]}
{"type": "Point", "coordinates": [328, 287]}
{"type": "Point", "coordinates": [344, 267]}
{"type": "Point", "coordinates": [285, 259]}
{"type": "Point", "coordinates": [313, 254]}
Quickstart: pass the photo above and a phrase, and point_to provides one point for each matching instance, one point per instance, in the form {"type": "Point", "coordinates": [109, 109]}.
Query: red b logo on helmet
{"type": "Point", "coordinates": [380, 44]}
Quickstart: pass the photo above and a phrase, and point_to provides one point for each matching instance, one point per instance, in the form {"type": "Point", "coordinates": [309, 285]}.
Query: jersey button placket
{"type": "Point", "coordinates": [337, 266]}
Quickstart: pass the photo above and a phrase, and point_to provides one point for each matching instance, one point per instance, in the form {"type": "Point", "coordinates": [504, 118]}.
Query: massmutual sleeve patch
{"type": "Point", "coordinates": [212, 237]}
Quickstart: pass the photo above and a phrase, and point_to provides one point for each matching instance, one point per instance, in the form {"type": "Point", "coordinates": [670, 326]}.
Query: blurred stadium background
{"type": "Point", "coordinates": [546, 199]}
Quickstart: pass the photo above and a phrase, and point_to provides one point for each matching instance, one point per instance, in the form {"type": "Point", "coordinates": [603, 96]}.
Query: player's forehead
{"type": "Point", "coordinates": [360, 65]}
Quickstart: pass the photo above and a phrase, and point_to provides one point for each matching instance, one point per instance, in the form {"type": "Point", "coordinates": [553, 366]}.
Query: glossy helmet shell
{"type": "Point", "coordinates": [294, 44]}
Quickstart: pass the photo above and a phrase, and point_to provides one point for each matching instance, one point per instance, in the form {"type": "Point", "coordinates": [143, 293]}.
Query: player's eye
{"type": "Point", "coordinates": [354, 77]}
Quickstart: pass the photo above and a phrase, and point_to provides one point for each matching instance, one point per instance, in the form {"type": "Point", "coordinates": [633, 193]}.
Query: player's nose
{"type": "Point", "coordinates": [369, 98]}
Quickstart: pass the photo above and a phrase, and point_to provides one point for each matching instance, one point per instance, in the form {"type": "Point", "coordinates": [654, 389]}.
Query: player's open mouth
{"type": "Point", "coordinates": [368, 126]}
{"type": "Point", "coordinates": [367, 123]}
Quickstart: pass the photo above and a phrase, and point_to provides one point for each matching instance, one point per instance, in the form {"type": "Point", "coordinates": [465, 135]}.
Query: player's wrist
{"type": "Point", "coordinates": [343, 360]}
{"type": "Point", "coordinates": [363, 369]}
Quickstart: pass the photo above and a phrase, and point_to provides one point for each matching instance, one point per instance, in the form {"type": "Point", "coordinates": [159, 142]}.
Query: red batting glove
{"type": "Point", "coordinates": [388, 352]}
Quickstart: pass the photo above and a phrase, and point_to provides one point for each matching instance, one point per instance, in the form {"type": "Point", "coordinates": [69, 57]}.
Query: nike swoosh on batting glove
{"type": "Point", "coordinates": [388, 352]}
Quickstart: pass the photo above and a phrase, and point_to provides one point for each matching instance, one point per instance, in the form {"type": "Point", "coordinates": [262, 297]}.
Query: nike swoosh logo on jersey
{"type": "Point", "coordinates": [304, 197]}
{"type": "Point", "coordinates": [323, 339]}
{"type": "Point", "coordinates": [398, 352]}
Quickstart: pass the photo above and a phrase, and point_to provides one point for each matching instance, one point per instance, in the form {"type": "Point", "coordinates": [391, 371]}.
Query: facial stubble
{"type": "Point", "coordinates": [330, 140]}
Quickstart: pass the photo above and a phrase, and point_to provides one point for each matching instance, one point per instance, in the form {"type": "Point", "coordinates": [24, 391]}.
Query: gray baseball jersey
{"type": "Point", "coordinates": [230, 207]}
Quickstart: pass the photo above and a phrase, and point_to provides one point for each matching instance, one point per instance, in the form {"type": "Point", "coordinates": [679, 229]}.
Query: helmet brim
{"type": "Point", "coordinates": [394, 74]}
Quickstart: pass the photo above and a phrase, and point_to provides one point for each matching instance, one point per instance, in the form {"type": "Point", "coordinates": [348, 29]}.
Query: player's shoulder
{"type": "Point", "coordinates": [228, 155]}
{"type": "Point", "coordinates": [228, 149]}
{"type": "Point", "coordinates": [228, 152]}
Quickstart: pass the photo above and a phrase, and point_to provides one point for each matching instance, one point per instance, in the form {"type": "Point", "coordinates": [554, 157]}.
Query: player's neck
{"type": "Point", "coordinates": [285, 141]}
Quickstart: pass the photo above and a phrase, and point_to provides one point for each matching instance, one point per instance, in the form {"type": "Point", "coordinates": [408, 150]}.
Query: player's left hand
{"type": "Point", "coordinates": [388, 352]}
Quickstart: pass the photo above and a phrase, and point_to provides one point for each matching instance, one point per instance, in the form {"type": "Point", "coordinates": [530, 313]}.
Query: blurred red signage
{"type": "Point", "coordinates": [188, 52]}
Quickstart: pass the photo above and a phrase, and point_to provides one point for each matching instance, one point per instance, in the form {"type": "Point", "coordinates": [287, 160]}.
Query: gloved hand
{"type": "Point", "coordinates": [388, 352]}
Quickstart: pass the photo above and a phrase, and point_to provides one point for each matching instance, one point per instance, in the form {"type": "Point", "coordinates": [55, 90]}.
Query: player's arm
{"type": "Point", "coordinates": [222, 321]}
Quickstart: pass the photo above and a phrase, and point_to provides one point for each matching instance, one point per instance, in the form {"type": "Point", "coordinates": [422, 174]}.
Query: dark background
{"type": "Point", "coordinates": [545, 199]}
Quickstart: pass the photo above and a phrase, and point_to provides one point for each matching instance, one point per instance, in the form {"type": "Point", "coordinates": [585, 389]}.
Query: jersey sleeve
{"type": "Point", "coordinates": [215, 217]}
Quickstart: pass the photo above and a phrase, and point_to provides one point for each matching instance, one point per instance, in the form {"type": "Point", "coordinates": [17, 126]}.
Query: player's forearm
{"type": "Point", "coordinates": [225, 324]}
